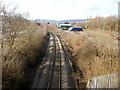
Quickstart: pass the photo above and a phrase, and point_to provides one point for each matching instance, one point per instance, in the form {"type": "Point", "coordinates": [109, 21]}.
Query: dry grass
{"type": "Point", "coordinates": [23, 46]}
{"type": "Point", "coordinates": [20, 64]}
{"type": "Point", "coordinates": [96, 52]}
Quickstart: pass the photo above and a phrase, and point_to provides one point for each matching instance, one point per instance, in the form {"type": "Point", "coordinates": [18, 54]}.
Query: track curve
{"type": "Point", "coordinates": [55, 70]}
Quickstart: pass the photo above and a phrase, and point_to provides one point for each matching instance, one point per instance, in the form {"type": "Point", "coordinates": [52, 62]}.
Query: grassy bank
{"type": "Point", "coordinates": [20, 63]}
{"type": "Point", "coordinates": [96, 52]}
{"type": "Point", "coordinates": [23, 45]}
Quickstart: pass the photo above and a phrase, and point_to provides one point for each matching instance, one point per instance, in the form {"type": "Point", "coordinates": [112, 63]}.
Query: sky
{"type": "Point", "coordinates": [65, 9]}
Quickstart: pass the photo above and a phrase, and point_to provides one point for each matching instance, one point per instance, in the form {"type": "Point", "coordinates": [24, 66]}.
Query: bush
{"type": "Point", "coordinates": [94, 52]}
{"type": "Point", "coordinates": [24, 45]}
{"type": "Point", "coordinates": [109, 23]}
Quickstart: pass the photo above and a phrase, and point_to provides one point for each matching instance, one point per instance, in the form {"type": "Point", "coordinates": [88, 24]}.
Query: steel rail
{"type": "Point", "coordinates": [56, 43]}
{"type": "Point", "coordinates": [59, 44]}
{"type": "Point", "coordinates": [54, 72]}
{"type": "Point", "coordinates": [51, 72]}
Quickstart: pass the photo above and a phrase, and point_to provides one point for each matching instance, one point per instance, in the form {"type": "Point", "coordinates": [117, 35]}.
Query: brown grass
{"type": "Point", "coordinates": [96, 52]}
{"type": "Point", "coordinates": [20, 64]}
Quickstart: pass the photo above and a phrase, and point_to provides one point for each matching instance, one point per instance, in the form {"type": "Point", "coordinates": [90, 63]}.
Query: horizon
{"type": "Point", "coordinates": [61, 20]}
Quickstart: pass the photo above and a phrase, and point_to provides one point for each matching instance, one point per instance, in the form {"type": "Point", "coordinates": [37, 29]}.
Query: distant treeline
{"type": "Point", "coordinates": [102, 23]}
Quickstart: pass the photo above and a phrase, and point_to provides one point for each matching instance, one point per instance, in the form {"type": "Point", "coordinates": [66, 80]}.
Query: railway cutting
{"type": "Point", "coordinates": [55, 70]}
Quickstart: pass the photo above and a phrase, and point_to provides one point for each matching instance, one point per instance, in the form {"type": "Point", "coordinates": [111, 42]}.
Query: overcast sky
{"type": "Point", "coordinates": [66, 9]}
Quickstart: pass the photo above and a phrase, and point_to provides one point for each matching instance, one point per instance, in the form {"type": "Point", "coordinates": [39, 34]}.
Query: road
{"type": "Point", "coordinates": [55, 70]}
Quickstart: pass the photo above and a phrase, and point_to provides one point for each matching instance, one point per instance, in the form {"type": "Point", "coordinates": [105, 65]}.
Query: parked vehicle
{"type": "Point", "coordinates": [76, 29]}
{"type": "Point", "coordinates": [64, 26]}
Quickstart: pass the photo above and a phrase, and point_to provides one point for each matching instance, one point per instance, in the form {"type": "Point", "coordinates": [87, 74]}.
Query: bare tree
{"type": "Point", "coordinates": [12, 25]}
{"type": "Point", "coordinates": [15, 25]}
{"type": "Point", "coordinates": [109, 23]}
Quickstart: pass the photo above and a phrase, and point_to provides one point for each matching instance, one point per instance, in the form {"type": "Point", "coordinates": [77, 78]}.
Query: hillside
{"type": "Point", "coordinates": [60, 21]}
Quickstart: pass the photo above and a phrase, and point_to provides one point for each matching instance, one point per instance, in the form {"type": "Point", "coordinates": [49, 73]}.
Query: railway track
{"type": "Point", "coordinates": [55, 70]}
